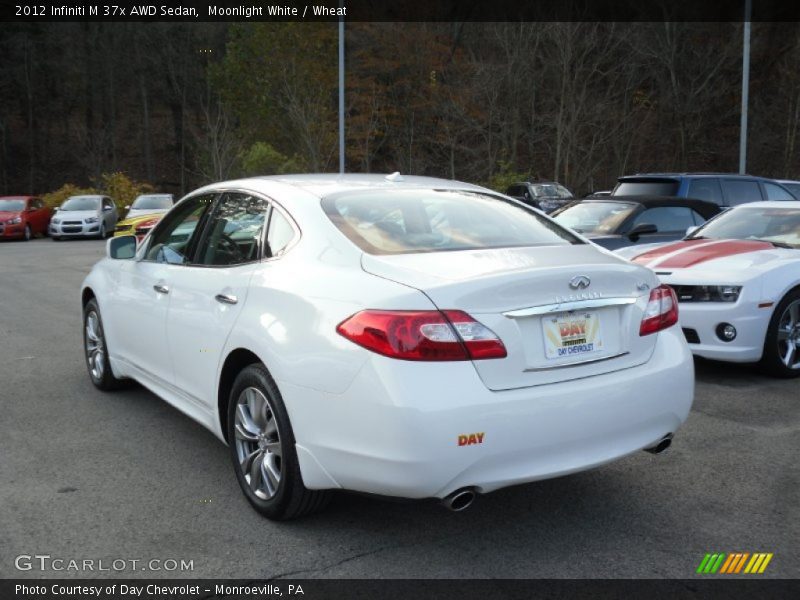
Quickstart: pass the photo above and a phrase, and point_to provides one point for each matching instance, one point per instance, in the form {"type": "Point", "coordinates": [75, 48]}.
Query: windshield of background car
{"type": "Point", "coordinates": [152, 202]}
{"type": "Point", "coordinates": [595, 217]}
{"type": "Point", "coordinates": [780, 225]}
{"type": "Point", "coordinates": [81, 203]}
{"type": "Point", "coordinates": [550, 190]}
{"type": "Point", "coordinates": [12, 205]}
{"type": "Point", "coordinates": [410, 221]}
{"type": "Point", "coordinates": [646, 188]}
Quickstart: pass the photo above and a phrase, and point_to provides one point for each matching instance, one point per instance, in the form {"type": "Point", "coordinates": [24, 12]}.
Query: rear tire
{"type": "Point", "coordinates": [262, 448]}
{"type": "Point", "coordinates": [781, 356]}
{"type": "Point", "coordinates": [96, 349]}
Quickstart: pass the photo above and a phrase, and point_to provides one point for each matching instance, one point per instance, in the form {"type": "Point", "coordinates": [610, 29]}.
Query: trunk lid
{"type": "Point", "coordinates": [524, 296]}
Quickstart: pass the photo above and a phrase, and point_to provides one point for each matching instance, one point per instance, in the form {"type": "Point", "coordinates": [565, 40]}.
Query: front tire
{"type": "Point", "coordinates": [96, 349]}
{"type": "Point", "coordinates": [102, 234]}
{"type": "Point", "coordinates": [263, 451]}
{"type": "Point", "coordinates": [27, 234]}
{"type": "Point", "coordinates": [782, 346]}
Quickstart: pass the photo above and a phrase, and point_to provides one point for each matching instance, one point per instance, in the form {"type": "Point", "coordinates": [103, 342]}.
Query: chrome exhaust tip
{"type": "Point", "coordinates": [662, 445]}
{"type": "Point", "coordinates": [459, 500]}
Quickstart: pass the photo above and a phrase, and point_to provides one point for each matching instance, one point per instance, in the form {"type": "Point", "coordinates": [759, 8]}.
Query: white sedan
{"type": "Point", "coordinates": [408, 337]}
{"type": "Point", "coordinates": [737, 279]}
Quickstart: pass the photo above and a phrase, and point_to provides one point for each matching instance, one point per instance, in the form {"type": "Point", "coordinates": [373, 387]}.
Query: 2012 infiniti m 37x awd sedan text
{"type": "Point", "coordinates": [409, 337]}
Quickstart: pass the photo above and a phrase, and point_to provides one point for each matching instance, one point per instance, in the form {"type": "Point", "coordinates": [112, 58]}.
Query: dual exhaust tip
{"type": "Point", "coordinates": [462, 499]}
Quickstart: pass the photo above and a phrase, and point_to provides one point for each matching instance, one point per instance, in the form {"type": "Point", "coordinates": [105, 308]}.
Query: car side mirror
{"type": "Point", "coordinates": [691, 230]}
{"type": "Point", "coordinates": [122, 247]}
{"type": "Point", "coordinates": [107, 209]}
{"type": "Point", "coordinates": [641, 229]}
{"type": "Point", "coordinates": [127, 207]}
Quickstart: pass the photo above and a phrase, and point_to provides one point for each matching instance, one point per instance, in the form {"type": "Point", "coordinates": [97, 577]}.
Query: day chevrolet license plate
{"type": "Point", "coordinates": [572, 334]}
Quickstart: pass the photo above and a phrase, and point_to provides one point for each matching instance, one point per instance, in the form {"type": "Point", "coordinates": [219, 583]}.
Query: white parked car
{"type": "Point", "coordinates": [84, 216]}
{"type": "Point", "coordinates": [737, 279]}
{"type": "Point", "coordinates": [409, 337]}
{"type": "Point", "coordinates": [150, 204]}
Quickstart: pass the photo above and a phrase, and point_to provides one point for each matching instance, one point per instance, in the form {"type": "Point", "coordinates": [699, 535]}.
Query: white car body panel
{"type": "Point", "coordinates": [370, 423]}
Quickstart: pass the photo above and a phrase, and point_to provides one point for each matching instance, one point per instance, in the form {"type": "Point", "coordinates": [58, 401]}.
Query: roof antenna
{"type": "Point", "coordinates": [394, 177]}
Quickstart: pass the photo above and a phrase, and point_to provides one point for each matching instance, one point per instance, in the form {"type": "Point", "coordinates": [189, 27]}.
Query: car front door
{"type": "Point", "coordinates": [138, 311]}
{"type": "Point", "coordinates": [207, 296]}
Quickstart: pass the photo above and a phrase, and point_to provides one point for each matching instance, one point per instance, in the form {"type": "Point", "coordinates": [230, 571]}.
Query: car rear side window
{"type": "Point", "coordinates": [776, 192]}
{"type": "Point", "coordinates": [411, 221]}
{"type": "Point", "coordinates": [706, 188]}
{"type": "Point", "coordinates": [739, 191]}
{"type": "Point", "coordinates": [653, 187]}
{"type": "Point", "coordinates": [666, 218]}
{"type": "Point", "coordinates": [280, 234]}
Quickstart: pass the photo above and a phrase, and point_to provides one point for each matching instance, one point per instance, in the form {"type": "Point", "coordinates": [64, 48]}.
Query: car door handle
{"type": "Point", "coordinates": [226, 299]}
{"type": "Point", "coordinates": [161, 289]}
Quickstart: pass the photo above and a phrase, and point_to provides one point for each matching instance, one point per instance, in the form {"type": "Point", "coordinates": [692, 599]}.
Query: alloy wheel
{"type": "Point", "coordinates": [789, 335]}
{"type": "Point", "coordinates": [258, 443]}
{"type": "Point", "coordinates": [95, 347]}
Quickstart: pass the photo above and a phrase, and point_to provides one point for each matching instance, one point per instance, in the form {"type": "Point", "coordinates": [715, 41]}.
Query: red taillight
{"type": "Point", "coordinates": [661, 311]}
{"type": "Point", "coordinates": [427, 335]}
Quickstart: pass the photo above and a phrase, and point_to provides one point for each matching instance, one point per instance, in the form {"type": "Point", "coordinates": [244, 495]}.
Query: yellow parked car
{"type": "Point", "coordinates": [139, 226]}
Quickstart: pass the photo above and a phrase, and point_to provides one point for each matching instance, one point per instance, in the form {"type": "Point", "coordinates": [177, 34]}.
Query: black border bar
{"type": "Point", "coordinates": [729, 588]}
{"type": "Point", "coordinates": [398, 10]}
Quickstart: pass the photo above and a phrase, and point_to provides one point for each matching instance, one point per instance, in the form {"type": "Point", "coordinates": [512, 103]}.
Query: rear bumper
{"type": "Point", "coordinates": [79, 230]}
{"type": "Point", "coordinates": [396, 430]}
{"type": "Point", "coordinates": [750, 322]}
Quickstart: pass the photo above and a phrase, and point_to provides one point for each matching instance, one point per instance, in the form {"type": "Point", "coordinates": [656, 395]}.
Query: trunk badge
{"type": "Point", "coordinates": [579, 282]}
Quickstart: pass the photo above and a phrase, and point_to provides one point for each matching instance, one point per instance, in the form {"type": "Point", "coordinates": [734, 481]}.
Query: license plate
{"type": "Point", "coordinates": [572, 334]}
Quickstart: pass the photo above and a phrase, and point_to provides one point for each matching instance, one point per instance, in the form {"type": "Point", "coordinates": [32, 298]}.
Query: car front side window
{"type": "Point", "coordinates": [175, 236]}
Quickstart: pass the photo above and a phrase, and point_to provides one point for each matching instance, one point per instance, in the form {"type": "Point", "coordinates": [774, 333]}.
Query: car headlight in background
{"type": "Point", "coordinates": [55, 221]}
{"type": "Point", "coordinates": [707, 293]}
{"type": "Point", "coordinates": [15, 221]}
{"type": "Point", "coordinates": [91, 220]}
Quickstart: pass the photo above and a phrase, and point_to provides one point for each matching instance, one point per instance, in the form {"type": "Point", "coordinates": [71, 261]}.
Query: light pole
{"type": "Point", "coordinates": [745, 88]}
{"type": "Point", "coordinates": [341, 90]}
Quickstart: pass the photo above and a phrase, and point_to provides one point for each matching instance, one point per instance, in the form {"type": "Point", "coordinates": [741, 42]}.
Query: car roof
{"type": "Point", "coordinates": [17, 197]}
{"type": "Point", "coordinates": [770, 204]}
{"type": "Point", "coordinates": [321, 185]}
{"type": "Point", "coordinates": [698, 175]}
{"type": "Point", "coordinates": [654, 201]}
{"type": "Point", "coordinates": [787, 181]}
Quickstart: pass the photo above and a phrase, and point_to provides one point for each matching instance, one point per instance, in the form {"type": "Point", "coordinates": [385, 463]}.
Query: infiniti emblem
{"type": "Point", "coordinates": [580, 282]}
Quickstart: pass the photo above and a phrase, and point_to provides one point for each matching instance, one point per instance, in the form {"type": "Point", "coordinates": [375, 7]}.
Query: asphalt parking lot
{"type": "Point", "coordinates": [88, 475]}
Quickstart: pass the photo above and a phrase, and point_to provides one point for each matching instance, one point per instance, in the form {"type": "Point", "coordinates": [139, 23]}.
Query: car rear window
{"type": "Point", "coordinates": [412, 221]}
{"type": "Point", "coordinates": [662, 187]}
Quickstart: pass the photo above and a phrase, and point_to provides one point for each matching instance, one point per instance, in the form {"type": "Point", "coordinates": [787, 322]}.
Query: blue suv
{"type": "Point", "coordinates": [724, 189]}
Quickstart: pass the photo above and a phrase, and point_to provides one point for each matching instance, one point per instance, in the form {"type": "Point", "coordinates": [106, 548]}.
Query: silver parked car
{"type": "Point", "coordinates": [84, 216]}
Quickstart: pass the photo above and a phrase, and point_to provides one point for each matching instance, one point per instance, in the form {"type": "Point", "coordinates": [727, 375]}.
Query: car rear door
{"type": "Point", "coordinates": [208, 295]}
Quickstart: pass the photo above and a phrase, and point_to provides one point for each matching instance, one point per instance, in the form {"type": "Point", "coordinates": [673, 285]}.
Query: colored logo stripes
{"type": "Point", "coordinates": [734, 563]}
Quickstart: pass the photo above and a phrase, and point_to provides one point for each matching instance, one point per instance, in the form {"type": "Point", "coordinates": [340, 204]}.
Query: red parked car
{"type": "Point", "coordinates": [23, 217]}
